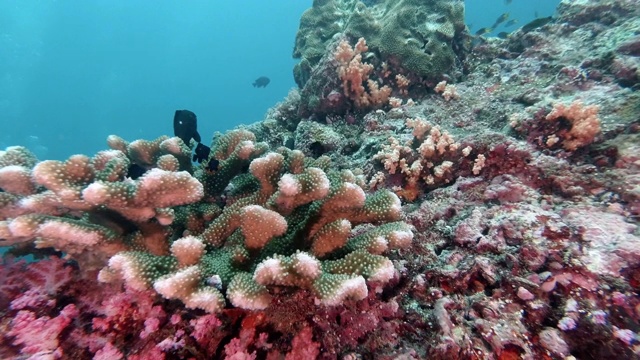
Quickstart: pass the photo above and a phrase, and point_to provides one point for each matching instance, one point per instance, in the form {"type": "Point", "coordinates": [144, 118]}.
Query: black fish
{"type": "Point", "coordinates": [539, 22]}
{"type": "Point", "coordinates": [213, 164]}
{"type": "Point", "coordinates": [262, 81]}
{"type": "Point", "coordinates": [202, 153]}
{"type": "Point", "coordinates": [185, 126]}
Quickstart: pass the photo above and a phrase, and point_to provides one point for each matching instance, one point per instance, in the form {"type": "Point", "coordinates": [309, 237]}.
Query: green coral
{"type": "Point", "coordinates": [17, 156]}
{"type": "Point", "coordinates": [234, 151]}
{"type": "Point", "coordinates": [279, 231]}
{"type": "Point", "coordinates": [422, 35]}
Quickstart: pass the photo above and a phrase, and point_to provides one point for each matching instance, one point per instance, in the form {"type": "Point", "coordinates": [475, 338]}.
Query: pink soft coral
{"type": "Point", "coordinates": [303, 346]}
{"type": "Point", "coordinates": [33, 299]}
{"type": "Point", "coordinates": [49, 275]}
{"type": "Point", "coordinates": [108, 352]}
{"type": "Point", "coordinates": [40, 335]}
{"type": "Point", "coordinates": [10, 279]}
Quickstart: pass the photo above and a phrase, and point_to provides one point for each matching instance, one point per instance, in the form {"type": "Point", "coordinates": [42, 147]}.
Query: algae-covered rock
{"type": "Point", "coordinates": [423, 36]}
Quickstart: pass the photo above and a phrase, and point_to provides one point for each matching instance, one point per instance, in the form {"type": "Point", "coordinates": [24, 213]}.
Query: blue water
{"type": "Point", "coordinates": [483, 13]}
{"type": "Point", "coordinates": [73, 72]}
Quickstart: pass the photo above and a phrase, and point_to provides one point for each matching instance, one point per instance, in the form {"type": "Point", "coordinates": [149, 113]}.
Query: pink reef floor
{"type": "Point", "coordinates": [520, 182]}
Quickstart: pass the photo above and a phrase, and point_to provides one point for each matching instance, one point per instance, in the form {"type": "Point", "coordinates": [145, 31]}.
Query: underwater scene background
{"type": "Point", "coordinates": [331, 179]}
{"type": "Point", "coordinates": [73, 73]}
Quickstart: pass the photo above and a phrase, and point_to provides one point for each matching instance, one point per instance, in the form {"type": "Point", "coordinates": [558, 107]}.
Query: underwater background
{"type": "Point", "coordinates": [371, 179]}
{"type": "Point", "coordinates": [74, 72]}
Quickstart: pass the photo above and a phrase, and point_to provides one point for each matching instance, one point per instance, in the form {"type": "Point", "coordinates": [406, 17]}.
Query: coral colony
{"type": "Point", "coordinates": [424, 194]}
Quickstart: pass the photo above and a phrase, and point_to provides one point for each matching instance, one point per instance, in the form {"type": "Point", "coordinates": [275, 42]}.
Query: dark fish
{"type": "Point", "coordinates": [502, 18]}
{"type": "Point", "coordinates": [213, 165]}
{"type": "Point", "coordinates": [185, 126]}
{"type": "Point", "coordinates": [484, 30]}
{"type": "Point", "coordinates": [503, 34]}
{"type": "Point", "coordinates": [135, 171]}
{"type": "Point", "coordinates": [202, 153]}
{"type": "Point", "coordinates": [507, 2]}
{"type": "Point", "coordinates": [536, 24]}
{"type": "Point", "coordinates": [262, 81]}
{"type": "Point", "coordinates": [511, 22]}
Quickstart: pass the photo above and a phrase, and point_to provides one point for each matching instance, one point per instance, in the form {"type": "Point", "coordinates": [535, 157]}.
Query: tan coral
{"type": "Point", "coordinates": [354, 73]}
{"type": "Point", "coordinates": [585, 124]}
{"type": "Point", "coordinates": [430, 159]}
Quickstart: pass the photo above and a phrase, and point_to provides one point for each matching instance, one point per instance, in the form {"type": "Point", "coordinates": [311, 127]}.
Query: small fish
{"type": "Point", "coordinates": [511, 22]}
{"type": "Point", "coordinates": [185, 126]}
{"type": "Point", "coordinates": [484, 30]}
{"type": "Point", "coordinates": [202, 153]}
{"type": "Point", "coordinates": [213, 165]}
{"type": "Point", "coordinates": [507, 2]}
{"type": "Point", "coordinates": [502, 18]}
{"type": "Point", "coordinates": [536, 24]}
{"type": "Point", "coordinates": [503, 35]}
{"type": "Point", "coordinates": [262, 81]}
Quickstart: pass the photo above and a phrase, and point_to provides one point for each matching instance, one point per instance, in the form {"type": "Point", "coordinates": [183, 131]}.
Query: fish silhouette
{"type": "Point", "coordinates": [262, 81]}
{"type": "Point", "coordinates": [185, 126]}
{"type": "Point", "coordinates": [212, 166]}
{"type": "Point", "coordinates": [201, 153]}
{"type": "Point", "coordinates": [534, 24]}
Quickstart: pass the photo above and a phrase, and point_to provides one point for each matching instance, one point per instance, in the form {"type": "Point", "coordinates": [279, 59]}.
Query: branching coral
{"type": "Point", "coordinates": [432, 158]}
{"type": "Point", "coordinates": [288, 222]}
{"type": "Point", "coordinates": [583, 121]}
{"type": "Point", "coordinates": [290, 227]}
{"type": "Point", "coordinates": [89, 207]}
{"type": "Point", "coordinates": [354, 74]}
{"type": "Point", "coordinates": [570, 127]}
{"type": "Point", "coordinates": [448, 91]}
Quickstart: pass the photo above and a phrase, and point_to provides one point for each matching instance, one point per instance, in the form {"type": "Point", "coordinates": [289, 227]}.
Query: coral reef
{"type": "Point", "coordinates": [485, 214]}
{"type": "Point", "coordinates": [88, 207]}
{"type": "Point", "coordinates": [422, 36]}
{"type": "Point", "coordinates": [288, 224]}
{"type": "Point", "coordinates": [379, 52]}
